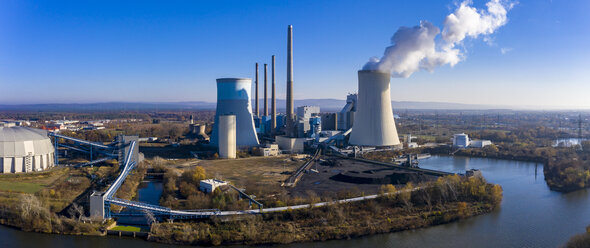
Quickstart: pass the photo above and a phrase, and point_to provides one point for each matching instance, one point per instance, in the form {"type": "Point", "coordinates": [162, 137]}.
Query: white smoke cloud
{"type": "Point", "coordinates": [417, 48]}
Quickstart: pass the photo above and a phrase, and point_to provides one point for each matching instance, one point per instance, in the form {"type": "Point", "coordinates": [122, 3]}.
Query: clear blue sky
{"type": "Point", "coordinates": [96, 51]}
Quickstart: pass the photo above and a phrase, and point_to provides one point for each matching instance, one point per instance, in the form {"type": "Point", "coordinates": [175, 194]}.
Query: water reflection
{"type": "Point", "coordinates": [148, 192]}
{"type": "Point", "coordinates": [460, 164]}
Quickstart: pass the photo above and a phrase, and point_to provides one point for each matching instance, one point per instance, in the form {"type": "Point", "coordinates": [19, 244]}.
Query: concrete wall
{"type": "Point", "coordinates": [227, 136]}
{"type": "Point", "coordinates": [96, 205]}
{"type": "Point", "coordinates": [290, 145]}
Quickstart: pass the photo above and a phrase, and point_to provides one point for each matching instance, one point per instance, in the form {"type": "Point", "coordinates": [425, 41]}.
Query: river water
{"type": "Point", "coordinates": [148, 192]}
{"type": "Point", "coordinates": [530, 216]}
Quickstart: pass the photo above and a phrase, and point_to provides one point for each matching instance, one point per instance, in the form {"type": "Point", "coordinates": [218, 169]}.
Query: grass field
{"type": "Point", "coordinates": [56, 187]}
{"type": "Point", "coordinates": [126, 228]}
{"type": "Point", "coordinates": [30, 188]}
{"type": "Point", "coordinates": [30, 182]}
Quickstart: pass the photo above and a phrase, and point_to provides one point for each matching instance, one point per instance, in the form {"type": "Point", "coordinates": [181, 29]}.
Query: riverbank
{"type": "Point", "coordinates": [566, 169]}
{"type": "Point", "coordinates": [448, 199]}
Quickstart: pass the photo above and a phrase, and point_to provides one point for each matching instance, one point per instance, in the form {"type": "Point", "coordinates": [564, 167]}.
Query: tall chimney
{"type": "Point", "coordinates": [265, 95]}
{"type": "Point", "coordinates": [290, 80]}
{"type": "Point", "coordinates": [256, 93]}
{"type": "Point", "coordinates": [273, 110]}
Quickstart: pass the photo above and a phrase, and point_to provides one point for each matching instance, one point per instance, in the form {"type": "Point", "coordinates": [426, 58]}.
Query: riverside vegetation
{"type": "Point", "coordinates": [447, 199]}
{"type": "Point", "coordinates": [52, 201]}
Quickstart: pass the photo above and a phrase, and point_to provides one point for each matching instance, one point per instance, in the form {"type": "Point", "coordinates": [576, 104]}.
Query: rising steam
{"type": "Point", "coordinates": [416, 48]}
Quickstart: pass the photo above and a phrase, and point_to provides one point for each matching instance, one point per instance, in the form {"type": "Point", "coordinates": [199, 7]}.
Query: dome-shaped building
{"type": "Point", "coordinates": [24, 149]}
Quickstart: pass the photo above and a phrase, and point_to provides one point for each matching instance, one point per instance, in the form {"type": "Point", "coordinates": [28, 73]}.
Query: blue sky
{"type": "Point", "coordinates": [96, 51]}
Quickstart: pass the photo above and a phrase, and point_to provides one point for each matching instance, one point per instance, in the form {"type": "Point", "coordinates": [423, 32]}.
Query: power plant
{"type": "Point", "coordinates": [373, 121]}
{"type": "Point", "coordinates": [233, 98]}
{"type": "Point", "coordinates": [366, 119]}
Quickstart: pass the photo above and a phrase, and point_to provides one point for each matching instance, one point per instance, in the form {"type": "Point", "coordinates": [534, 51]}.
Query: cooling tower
{"type": "Point", "coordinates": [227, 136]}
{"type": "Point", "coordinates": [373, 120]}
{"type": "Point", "coordinates": [233, 98]}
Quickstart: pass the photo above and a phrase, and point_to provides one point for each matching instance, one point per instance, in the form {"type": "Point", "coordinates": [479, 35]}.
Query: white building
{"type": "Point", "coordinates": [209, 185]}
{"type": "Point", "coordinates": [24, 149]}
{"type": "Point", "coordinates": [269, 150]}
{"type": "Point", "coordinates": [479, 143]}
{"type": "Point", "coordinates": [461, 140]}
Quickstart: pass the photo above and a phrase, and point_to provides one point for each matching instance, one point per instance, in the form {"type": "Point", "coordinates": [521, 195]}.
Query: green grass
{"type": "Point", "coordinates": [20, 187]}
{"type": "Point", "coordinates": [127, 228]}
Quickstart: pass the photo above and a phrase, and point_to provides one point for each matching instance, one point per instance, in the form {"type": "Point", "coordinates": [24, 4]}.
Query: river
{"type": "Point", "coordinates": [530, 216]}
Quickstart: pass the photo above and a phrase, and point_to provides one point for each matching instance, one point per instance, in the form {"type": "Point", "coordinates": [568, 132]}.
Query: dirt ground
{"type": "Point", "coordinates": [263, 176]}
{"type": "Point", "coordinates": [321, 184]}
{"type": "Point", "coordinates": [258, 175]}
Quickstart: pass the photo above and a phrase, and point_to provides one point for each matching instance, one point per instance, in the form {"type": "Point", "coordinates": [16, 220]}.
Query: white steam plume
{"type": "Point", "coordinates": [417, 48]}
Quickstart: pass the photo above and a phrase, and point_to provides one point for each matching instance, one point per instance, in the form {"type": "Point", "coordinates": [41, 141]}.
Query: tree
{"type": "Point", "coordinates": [462, 209]}
{"type": "Point", "coordinates": [389, 190]}
{"type": "Point", "coordinates": [76, 211]}
{"type": "Point", "coordinates": [405, 195]}
{"type": "Point", "coordinates": [496, 194]}
{"type": "Point", "coordinates": [150, 217]}
{"type": "Point", "coordinates": [199, 174]}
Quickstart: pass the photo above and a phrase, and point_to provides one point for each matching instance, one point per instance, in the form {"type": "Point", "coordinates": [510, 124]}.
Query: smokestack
{"type": "Point", "coordinates": [256, 93]}
{"type": "Point", "coordinates": [265, 94]}
{"type": "Point", "coordinates": [273, 118]}
{"type": "Point", "coordinates": [290, 80]}
{"type": "Point", "coordinates": [373, 121]}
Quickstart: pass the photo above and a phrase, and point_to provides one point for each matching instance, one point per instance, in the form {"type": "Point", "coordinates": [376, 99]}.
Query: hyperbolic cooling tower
{"type": "Point", "coordinates": [373, 120]}
{"type": "Point", "coordinates": [233, 98]}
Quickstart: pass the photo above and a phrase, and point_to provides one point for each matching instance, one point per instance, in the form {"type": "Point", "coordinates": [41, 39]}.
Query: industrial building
{"type": "Point", "coordinates": [479, 143]}
{"type": "Point", "coordinates": [461, 140]}
{"type": "Point", "coordinates": [291, 145]}
{"type": "Point", "coordinates": [329, 121]}
{"type": "Point", "coordinates": [24, 149]}
{"type": "Point", "coordinates": [233, 98]}
{"type": "Point", "coordinates": [304, 115]}
{"type": "Point", "coordinates": [373, 120]}
{"type": "Point", "coordinates": [198, 130]}
{"type": "Point", "coordinates": [345, 117]}
{"type": "Point", "coordinates": [209, 185]}
{"type": "Point", "coordinates": [268, 150]}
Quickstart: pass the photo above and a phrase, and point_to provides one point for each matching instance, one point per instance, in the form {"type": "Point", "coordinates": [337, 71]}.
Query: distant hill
{"type": "Point", "coordinates": [110, 106]}
{"type": "Point", "coordinates": [325, 105]}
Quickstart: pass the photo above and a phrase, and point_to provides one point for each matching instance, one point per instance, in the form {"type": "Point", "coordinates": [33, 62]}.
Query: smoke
{"type": "Point", "coordinates": [415, 48]}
